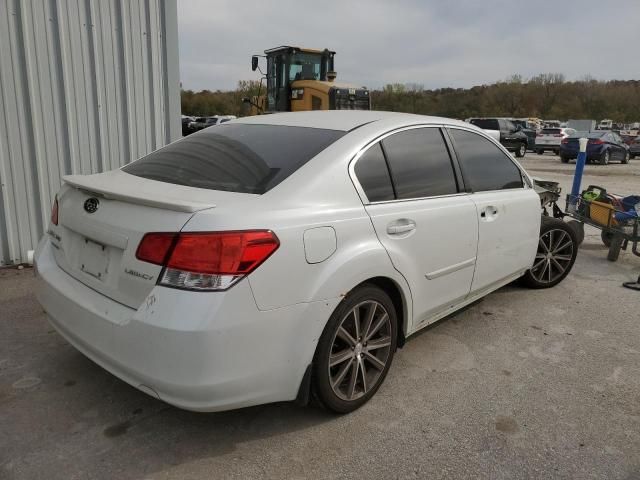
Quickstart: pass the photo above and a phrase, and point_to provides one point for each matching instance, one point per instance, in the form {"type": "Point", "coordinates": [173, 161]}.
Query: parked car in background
{"type": "Point", "coordinates": [602, 147]}
{"type": "Point", "coordinates": [634, 147]}
{"type": "Point", "coordinates": [204, 122]}
{"type": "Point", "coordinates": [605, 124]}
{"type": "Point", "coordinates": [549, 139]}
{"type": "Point", "coordinates": [511, 136]}
{"type": "Point", "coordinates": [529, 129]}
{"type": "Point", "coordinates": [186, 122]}
{"type": "Point", "coordinates": [194, 274]}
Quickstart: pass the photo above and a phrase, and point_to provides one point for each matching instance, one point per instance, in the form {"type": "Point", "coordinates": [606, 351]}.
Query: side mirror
{"type": "Point", "coordinates": [254, 62]}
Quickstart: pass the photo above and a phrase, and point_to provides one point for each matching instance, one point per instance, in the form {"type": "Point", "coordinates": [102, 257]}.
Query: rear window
{"type": "Point", "coordinates": [551, 130]}
{"type": "Point", "coordinates": [235, 157]}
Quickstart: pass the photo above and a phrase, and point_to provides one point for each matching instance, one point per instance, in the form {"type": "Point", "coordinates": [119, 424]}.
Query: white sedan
{"type": "Point", "coordinates": [279, 255]}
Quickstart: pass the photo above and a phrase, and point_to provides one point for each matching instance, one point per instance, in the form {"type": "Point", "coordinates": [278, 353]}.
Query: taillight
{"type": "Point", "coordinates": [54, 211]}
{"type": "Point", "coordinates": [207, 260]}
{"type": "Point", "coordinates": [565, 141]}
{"type": "Point", "coordinates": [538, 134]}
{"type": "Point", "coordinates": [596, 141]}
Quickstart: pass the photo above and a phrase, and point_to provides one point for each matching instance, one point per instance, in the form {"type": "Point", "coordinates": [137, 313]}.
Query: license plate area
{"type": "Point", "coordinates": [94, 259]}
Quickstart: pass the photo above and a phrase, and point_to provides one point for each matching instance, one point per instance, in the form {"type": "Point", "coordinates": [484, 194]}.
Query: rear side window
{"type": "Point", "coordinates": [235, 157]}
{"type": "Point", "coordinates": [420, 163]}
{"type": "Point", "coordinates": [484, 166]}
{"type": "Point", "coordinates": [551, 131]}
{"type": "Point", "coordinates": [373, 175]}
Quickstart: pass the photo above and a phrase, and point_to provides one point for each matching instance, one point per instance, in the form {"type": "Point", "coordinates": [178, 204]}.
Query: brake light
{"type": "Point", "coordinates": [596, 141]}
{"type": "Point", "coordinates": [54, 211]}
{"type": "Point", "coordinates": [207, 260]}
{"type": "Point", "coordinates": [565, 141]}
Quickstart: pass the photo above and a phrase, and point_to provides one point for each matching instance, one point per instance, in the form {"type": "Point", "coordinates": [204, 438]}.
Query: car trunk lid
{"type": "Point", "coordinates": [102, 219]}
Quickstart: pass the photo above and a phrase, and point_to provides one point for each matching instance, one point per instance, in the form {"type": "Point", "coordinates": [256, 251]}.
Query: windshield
{"type": "Point", "coordinates": [235, 157]}
{"type": "Point", "coordinates": [305, 66]}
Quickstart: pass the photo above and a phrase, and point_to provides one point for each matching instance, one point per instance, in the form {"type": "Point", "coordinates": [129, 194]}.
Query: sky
{"type": "Point", "coordinates": [434, 43]}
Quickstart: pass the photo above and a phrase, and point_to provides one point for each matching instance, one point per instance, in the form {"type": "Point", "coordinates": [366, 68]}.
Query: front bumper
{"type": "Point", "coordinates": [195, 350]}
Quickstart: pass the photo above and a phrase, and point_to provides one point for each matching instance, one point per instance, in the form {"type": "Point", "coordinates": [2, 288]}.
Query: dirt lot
{"type": "Point", "coordinates": [525, 384]}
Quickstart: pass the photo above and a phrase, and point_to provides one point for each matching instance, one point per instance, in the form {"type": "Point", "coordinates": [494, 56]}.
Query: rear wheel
{"type": "Point", "coordinates": [605, 157]}
{"type": "Point", "coordinates": [355, 350]}
{"type": "Point", "coordinates": [564, 159]}
{"type": "Point", "coordinates": [539, 152]}
{"type": "Point", "coordinates": [606, 237]}
{"type": "Point", "coordinates": [557, 251]}
{"type": "Point", "coordinates": [521, 150]}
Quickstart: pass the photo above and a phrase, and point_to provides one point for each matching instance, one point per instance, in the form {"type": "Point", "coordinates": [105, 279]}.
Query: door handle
{"type": "Point", "coordinates": [401, 226]}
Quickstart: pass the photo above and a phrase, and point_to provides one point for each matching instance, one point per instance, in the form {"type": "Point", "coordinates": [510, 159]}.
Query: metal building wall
{"type": "Point", "coordinates": [85, 86]}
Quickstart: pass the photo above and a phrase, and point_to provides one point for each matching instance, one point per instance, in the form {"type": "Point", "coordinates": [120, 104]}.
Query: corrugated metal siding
{"type": "Point", "coordinates": [85, 86]}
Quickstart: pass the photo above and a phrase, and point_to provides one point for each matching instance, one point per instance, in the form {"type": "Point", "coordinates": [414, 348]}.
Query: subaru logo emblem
{"type": "Point", "coordinates": [91, 205]}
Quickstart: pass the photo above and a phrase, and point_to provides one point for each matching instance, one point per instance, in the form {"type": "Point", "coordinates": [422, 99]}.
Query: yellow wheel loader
{"type": "Point", "coordinates": [302, 79]}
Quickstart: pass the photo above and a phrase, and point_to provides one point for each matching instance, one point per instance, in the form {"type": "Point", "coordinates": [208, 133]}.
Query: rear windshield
{"type": "Point", "coordinates": [235, 157]}
{"type": "Point", "coordinates": [551, 130]}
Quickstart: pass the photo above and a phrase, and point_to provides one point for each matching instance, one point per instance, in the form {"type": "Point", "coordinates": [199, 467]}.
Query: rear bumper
{"type": "Point", "coordinates": [591, 154]}
{"type": "Point", "coordinates": [197, 351]}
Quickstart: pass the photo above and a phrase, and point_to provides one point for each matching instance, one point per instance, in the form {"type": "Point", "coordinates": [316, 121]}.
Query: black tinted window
{"type": "Point", "coordinates": [420, 163]}
{"type": "Point", "coordinates": [484, 166]}
{"type": "Point", "coordinates": [235, 157]}
{"type": "Point", "coordinates": [373, 175]}
{"type": "Point", "coordinates": [485, 123]}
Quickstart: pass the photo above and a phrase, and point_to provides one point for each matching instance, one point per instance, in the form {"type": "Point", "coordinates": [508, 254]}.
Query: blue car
{"type": "Point", "coordinates": [603, 147]}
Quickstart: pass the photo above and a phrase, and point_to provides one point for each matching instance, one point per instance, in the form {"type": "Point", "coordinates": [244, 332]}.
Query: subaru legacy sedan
{"type": "Point", "coordinates": [275, 257]}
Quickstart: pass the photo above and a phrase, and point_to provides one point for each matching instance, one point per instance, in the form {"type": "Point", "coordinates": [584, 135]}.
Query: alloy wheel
{"type": "Point", "coordinates": [555, 251]}
{"type": "Point", "coordinates": [360, 350]}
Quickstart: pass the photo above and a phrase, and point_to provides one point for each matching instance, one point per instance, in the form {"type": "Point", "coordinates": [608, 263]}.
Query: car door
{"type": "Point", "coordinates": [427, 225]}
{"type": "Point", "coordinates": [618, 144]}
{"type": "Point", "coordinates": [507, 208]}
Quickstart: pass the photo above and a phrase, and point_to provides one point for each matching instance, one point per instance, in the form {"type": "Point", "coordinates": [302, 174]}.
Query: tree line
{"type": "Point", "coordinates": [547, 96]}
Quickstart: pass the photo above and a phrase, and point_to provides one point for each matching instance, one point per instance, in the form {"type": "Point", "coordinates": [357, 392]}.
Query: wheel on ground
{"type": "Point", "coordinates": [556, 254]}
{"type": "Point", "coordinates": [355, 350]}
{"type": "Point", "coordinates": [614, 247]}
{"type": "Point", "coordinates": [578, 229]}
{"type": "Point", "coordinates": [539, 152]}
{"type": "Point", "coordinates": [606, 237]}
{"type": "Point", "coordinates": [605, 157]}
{"type": "Point", "coordinates": [564, 159]}
{"type": "Point", "coordinates": [521, 150]}
{"type": "Point", "coordinates": [626, 158]}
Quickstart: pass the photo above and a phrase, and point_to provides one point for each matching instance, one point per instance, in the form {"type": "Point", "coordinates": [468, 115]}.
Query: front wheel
{"type": "Point", "coordinates": [604, 159]}
{"type": "Point", "coordinates": [355, 350]}
{"type": "Point", "coordinates": [626, 158]}
{"type": "Point", "coordinates": [539, 152]}
{"type": "Point", "coordinates": [556, 254]}
{"type": "Point", "coordinates": [521, 150]}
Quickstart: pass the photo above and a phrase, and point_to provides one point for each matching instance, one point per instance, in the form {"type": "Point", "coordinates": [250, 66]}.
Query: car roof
{"type": "Point", "coordinates": [344, 120]}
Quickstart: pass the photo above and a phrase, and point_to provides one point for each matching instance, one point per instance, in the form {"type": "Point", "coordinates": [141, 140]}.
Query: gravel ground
{"type": "Point", "coordinates": [524, 384]}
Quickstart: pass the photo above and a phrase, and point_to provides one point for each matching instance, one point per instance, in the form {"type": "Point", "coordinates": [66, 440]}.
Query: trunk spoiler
{"type": "Point", "coordinates": [118, 185]}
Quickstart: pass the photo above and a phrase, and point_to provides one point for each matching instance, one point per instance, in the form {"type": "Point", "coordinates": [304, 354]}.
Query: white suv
{"type": "Point", "coordinates": [281, 254]}
{"type": "Point", "coordinates": [551, 138]}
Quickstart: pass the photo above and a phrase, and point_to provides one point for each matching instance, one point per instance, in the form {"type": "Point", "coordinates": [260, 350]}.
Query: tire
{"type": "Point", "coordinates": [626, 158]}
{"type": "Point", "coordinates": [521, 150]}
{"type": "Point", "coordinates": [564, 159]}
{"type": "Point", "coordinates": [606, 237]}
{"type": "Point", "coordinates": [539, 152]}
{"type": "Point", "coordinates": [614, 247]}
{"type": "Point", "coordinates": [548, 271]}
{"type": "Point", "coordinates": [578, 228]}
{"type": "Point", "coordinates": [350, 350]}
{"type": "Point", "coordinates": [556, 152]}
{"type": "Point", "coordinates": [605, 157]}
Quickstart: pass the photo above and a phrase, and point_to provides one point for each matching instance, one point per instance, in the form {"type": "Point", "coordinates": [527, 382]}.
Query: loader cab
{"type": "Point", "coordinates": [286, 65]}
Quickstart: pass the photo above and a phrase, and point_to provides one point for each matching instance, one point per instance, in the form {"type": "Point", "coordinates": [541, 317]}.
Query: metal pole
{"type": "Point", "coordinates": [577, 177]}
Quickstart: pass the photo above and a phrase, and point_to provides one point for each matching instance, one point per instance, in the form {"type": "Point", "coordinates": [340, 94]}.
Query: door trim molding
{"type": "Point", "coordinates": [450, 269]}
